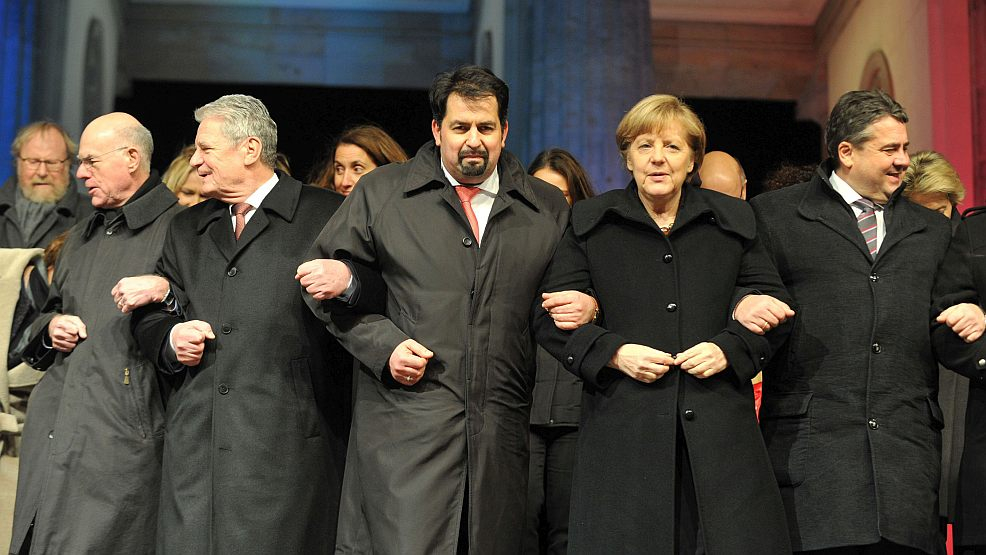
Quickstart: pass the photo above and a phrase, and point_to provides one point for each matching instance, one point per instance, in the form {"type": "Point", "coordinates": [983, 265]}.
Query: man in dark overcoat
{"type": "Point", "coordinates": [850, 413]}
{"type": "Point", "coordinates": [438, 454]}
{"type": "Point", "coordinates": [40, 201]}
{"type": "Point", "coordinates": [254, 454]}
{"type": "Point", "coordinates": [91, 461]}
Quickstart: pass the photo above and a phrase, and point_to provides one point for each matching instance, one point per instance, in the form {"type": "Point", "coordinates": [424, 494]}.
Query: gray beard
{"type": "Point", "coordinates": [30, 214]}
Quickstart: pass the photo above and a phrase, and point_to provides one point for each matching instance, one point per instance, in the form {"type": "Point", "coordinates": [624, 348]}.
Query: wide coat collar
{"type": "Point", "coordinates": [695, 205]}
{"type": "Point", "coordinates": [823, 204]}
{"type": "Point", "coordinates": [150, 200]}
{"type": "Point", "coordinates": [281, 202]}
{"type": "Point", "coordinates": [426, 173]}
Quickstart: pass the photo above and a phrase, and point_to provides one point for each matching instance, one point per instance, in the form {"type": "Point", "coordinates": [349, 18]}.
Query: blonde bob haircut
{"type": "Point", "coordinates": [655, 113]}
{"type": "Point", "coordinates": [931, 173]}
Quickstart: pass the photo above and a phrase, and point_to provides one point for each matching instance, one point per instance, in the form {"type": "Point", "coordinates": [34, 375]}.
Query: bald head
{"type": "Point", "coordinates": [114, 158]}
{"type": "Point", "coordinates": [721, 172]}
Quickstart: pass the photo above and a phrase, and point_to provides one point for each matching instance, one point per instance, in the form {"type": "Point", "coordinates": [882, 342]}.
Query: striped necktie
{"type": "Point", "coordinates": [867, 223]}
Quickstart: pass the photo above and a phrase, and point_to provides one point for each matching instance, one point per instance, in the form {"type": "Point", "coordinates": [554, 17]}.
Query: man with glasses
{"type": "Point", "coordinates": [91, 461]}
{"type": "Point", "coordinates": [43, 202]}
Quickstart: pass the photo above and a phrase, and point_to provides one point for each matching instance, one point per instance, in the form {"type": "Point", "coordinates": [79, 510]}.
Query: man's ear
{"type": "Point", "coordinates": [436, 131]}
{"type": "Point", "coordinates": [845, 151]}
{"type": "Point", "coordinates": [252, 150]}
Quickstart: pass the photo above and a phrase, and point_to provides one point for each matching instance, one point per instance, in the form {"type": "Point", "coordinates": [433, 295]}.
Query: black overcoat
{"type": "Point", "coordinates": [71, 208]}
{"type": "Point", "coordinates": [965, 265]}
{"type": "Point", "coordinates": [669, 293]}
{"type": "Point", "coordinates": [254, 454]}
{"type": "Point", "coordinates": [91, 462]}
{"type": "Point", "coordinates": [414, 450]}
{"type": "Point", "coordinates": [850, 412]}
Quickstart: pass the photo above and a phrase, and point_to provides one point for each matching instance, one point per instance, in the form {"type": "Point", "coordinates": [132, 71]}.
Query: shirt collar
{"type": "Point", "coordinates": [258, 196]}
{"type": "Point", "coordinates": [490, 185]}
{"type": "Point", "coordinates": [846, 191]}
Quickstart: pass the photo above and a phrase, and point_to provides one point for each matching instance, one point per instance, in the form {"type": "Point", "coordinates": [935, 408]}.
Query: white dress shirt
{"type": "Point", "coordinates": [850, 196]}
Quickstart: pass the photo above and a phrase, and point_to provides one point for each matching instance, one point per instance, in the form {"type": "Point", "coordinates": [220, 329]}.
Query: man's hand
{"type": "Point", "coordinates": [65, 331]}
{"type": "Point", "coordinates": [407, 362]}
{"type": "Point", "coordinates": [761, 313]}
{"type": "Point", "coordinates": [703, 360]}
{"type": "Point", "coordinates": [641, 363]}
{"type": "Point", "coordinates": [965, 319]}
{"type": "Point", "coordinates": [188, 340]}
{"type": "Point", "coordinates": [134, 292]}
{"type": "Point", "coordinates": [570, 309]}
{"type": "Point", "coordinates": [324, 278]}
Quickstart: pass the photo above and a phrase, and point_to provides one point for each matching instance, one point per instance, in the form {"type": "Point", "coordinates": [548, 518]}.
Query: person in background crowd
{"type": "Point", "coordinates": [91, 459]}
{"type": "Point", "coordinates": [850, 413]}
{"type": "Point", "coordinates": [358, 151]}
{"type": "Point", "coordinates": [182, 179]}
{"type": "Point", "coordinates": [39, 202]}
{"type": "Point", "coordinates": [258, 417]}
{"type": "Point", "coordinates": [556, 399]}
{"type": "Point", "coordinates": [670, 458]}
{"type": "Point", "coordinates": [721, 172]}
{"type": "Point", "coordinates": [787, 174]}
{"type": "Point", "coordinates": [932, 182]}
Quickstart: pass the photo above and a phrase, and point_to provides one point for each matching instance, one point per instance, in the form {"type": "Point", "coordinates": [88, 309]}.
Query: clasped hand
{"type": "Point", "coordinates": [646, 364]}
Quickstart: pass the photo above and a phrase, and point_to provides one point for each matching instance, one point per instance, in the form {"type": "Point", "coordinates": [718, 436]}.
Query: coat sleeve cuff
{"type": "Point", "coordinates": [588, 352]}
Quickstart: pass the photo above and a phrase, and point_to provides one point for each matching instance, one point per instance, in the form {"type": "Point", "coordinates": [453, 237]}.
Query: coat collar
{"type": "Point", "coordinates": [426, 173]}
{"type": "Point", "coordinates": [150, 201]}
{"type": "Point", "coordinates": [823, 204]}
{"type": "Point", "coordinates": [696, 205]}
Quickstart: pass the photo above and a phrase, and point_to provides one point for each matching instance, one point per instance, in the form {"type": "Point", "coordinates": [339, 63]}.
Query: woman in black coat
{"type": "Point", "coordinates": [670, 459]}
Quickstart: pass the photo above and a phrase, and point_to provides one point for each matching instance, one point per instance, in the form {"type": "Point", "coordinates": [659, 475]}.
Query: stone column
{"type": "Point", "coordinates": [587, 62]}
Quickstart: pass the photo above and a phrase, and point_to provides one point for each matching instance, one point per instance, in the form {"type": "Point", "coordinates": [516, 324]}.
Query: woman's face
{"type": "Point", "coordinates": [660, 161]}
{"type": "Point", "coordinates": [556, 179]}
{"type": "Point", "coordinates": [351, 163]}
{"type": "Point", "coordinates": [935, 201]}
{"type": "Point", "coordinates": [189, 193]}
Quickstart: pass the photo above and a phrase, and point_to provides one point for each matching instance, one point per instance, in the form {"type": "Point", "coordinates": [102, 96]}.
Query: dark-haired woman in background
{"type": "Point", "coordinates": [358, 151]}
{"type": "Point", "coordinates": [556, 402]}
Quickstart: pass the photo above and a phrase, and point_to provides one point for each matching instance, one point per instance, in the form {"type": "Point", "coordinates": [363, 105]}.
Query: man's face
{"type": "Point", "coordinates": [105, 164]}
{"type": "Point", "coordinates": [49, 181]}
{"type": "Point", "coordinates": [875, 168]}
{"type": "Point", "coordinates": [218, 161]}
{"type": "Point", "coordinates": [470, 137]}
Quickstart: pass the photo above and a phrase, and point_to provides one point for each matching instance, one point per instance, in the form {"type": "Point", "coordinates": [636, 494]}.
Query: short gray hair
{"type": "Point", "coordinates": [244, 116]}
{"type": "Point", "coordinates": [853, 114]}
{"type": "Point", "coordinates": [140, 138]}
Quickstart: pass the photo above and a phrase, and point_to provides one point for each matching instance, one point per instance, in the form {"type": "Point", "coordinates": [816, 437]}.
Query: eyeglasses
{"type": "Point", "coordinates": [52, 165]}
{"type": "Point", "coordinates": [90, 161]}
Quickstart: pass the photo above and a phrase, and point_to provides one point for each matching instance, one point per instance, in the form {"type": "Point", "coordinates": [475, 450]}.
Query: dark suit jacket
{"type": "Point", "coordinates": [850, 412]}
{"type": "Point", "coordinates": [255, 447]}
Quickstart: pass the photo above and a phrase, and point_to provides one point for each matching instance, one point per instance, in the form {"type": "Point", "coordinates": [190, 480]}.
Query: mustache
{"type": "Point", "coordinates": [472, 152]}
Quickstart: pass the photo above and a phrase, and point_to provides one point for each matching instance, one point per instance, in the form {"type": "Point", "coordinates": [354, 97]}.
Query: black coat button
{"type": "Point", "coordinates": [668, 258]}
{"type": "Point", "coordinates": [712, 220]}
{"type": "Point", "coordinates": [569, 360]}
{"type": "Point", "coordinates": [874, 278]}
{"type": "Point", "coordinates": [981, 363]}
{"type": "Point", "coordinates": [873, 424]}
{"type": "Point", "coordinates": [689, 414]}
{"type": "Point", "coordinates": [231, 272]}
{"type": "Point", "coordinates": [671, 307]}
{"type": "Point", "coordinates": [227, 328]}
{"type": "Point", "coordinates": [467, 241]}
{"type": "Point", "coordinates": [876, 348]}
{"type": "Point", "coordinates": [51, 434]}
{"type": "Point", "coordinates": [223, 389]}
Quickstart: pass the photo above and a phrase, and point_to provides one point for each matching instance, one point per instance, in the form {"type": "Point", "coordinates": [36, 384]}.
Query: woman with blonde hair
{"type": "Point", "coordinates": [932, 182]}
{"type": "Point", "coordinates": [182, 179]}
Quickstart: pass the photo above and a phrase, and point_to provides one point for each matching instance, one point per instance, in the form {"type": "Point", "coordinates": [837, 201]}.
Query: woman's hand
{"type": "Point", "coordinates": [703, 360]}
{"type": "Point", "coordinates": [642, 363]}
{"type": "Point", "coordinates": [570, 309]}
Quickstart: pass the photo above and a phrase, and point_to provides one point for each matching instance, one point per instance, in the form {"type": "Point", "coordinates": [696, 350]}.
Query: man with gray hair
{"type": "Point", "coordinates": [40, 202]}
{"type": "Point", "coordinates": [258, 418]}
{"type": "Point", "coordinates": [850, 414]}
{"type": "Point", "coordinates": [90, 466]}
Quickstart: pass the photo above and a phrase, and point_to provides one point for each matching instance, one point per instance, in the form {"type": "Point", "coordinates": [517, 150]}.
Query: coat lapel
{"type": "Point", "coordinates": [900, 222]}
{"type": "Point", "coordinates": [217, 225]}
{"type": "Point", "coordinates": [822, 204]}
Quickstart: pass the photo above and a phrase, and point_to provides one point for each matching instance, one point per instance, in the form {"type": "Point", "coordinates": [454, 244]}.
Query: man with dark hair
{"type": "Point", "coordinates": [461, 235]}
{"type": "Point", "coordinates": [40, 202]}
{"type": "Point", "coordinates": [850, 413]}
{"type": "Point", "coordinates": [258, 418]}
{"type": "Point", "coordinates": [91, 461]}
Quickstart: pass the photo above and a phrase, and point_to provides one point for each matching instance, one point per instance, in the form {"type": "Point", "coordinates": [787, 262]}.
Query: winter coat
{"type": "Point", "coordinates": [254, 454]}
{"type": "Point", "coordinates": [91, 456]}
{"type": "Point", "coordinates": [71, 208]}
{"type": "Point", "coordinates": [850, 412]}
{"type": "Point", "coordinates": [670, 293]}
{"type": "Point", "coordinates": [460, 433]}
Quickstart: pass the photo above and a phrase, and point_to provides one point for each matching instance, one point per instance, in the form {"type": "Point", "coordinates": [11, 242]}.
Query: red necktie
{"type": "Point", "coordinates": [465, 195]}
{"type": "Point", "coordinates": [239, 210]}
